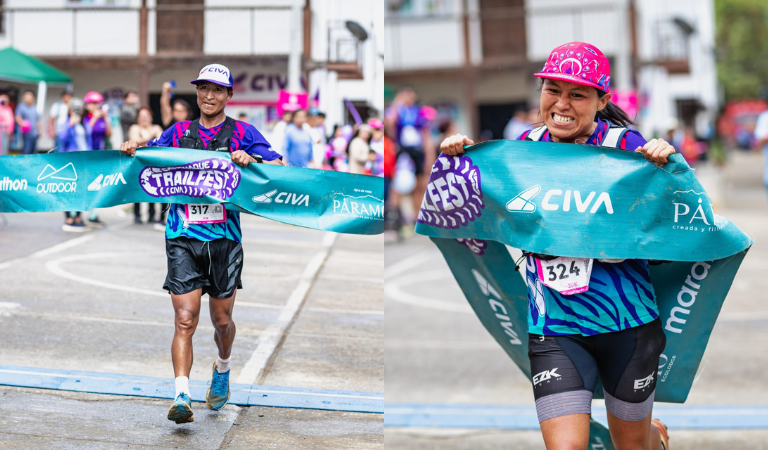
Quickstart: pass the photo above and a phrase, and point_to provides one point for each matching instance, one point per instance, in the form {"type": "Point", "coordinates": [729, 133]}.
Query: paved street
{"type": "Point", "coordinates": [438, 353]}
{"type": "Point", "coordinates": [310, 316]}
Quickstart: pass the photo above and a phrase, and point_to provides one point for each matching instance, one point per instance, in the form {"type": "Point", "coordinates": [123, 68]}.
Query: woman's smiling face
{"type": "Point", "coordinates": [569, 109]}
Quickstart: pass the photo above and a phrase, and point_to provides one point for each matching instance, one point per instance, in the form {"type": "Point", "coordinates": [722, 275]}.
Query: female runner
{"type": "Point", "coordinates": [611, 331]}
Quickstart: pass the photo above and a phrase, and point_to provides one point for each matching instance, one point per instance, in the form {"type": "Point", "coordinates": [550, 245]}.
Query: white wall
{"type": "Point", "coordinates": [700, 83]}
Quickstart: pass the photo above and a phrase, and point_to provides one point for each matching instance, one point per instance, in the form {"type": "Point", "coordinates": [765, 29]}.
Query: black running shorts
{"type": "Point", "coordinates": [214, 266]}
{"type": "Point", "coordinates": [565, 370]}
{"type": "Point", "coordinates": [416, 155]}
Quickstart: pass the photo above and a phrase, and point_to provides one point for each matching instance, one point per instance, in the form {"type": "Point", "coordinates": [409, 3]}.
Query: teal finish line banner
{"type": "Point", "coordinates": [79, 181]}
{"type": "Point", "coordinates": [588, 202]}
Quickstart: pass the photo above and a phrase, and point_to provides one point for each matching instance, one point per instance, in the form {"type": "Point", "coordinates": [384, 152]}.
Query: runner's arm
{"type": "Point", "coordinates": [166, 112]}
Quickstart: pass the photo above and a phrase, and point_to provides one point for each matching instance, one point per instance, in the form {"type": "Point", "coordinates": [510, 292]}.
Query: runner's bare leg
{"type": "Point", "coordinates": [634, 435]}
{"type": "Point", "coordinates": [187, 308]}
{"type": "Point", "coordinates": [223, 325]}
{"type": "Point", "coordinates": [569, 432]}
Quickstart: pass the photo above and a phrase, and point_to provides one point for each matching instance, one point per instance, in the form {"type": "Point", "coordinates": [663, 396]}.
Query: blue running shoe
{"type": "Point", "coordinates": [218, 394]}
{"type": "Point", "coordinates": [181, 410]}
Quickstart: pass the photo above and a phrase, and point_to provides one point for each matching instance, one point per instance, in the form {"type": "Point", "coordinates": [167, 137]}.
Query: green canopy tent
{"type": "Point", "coordinates": [18, 67]}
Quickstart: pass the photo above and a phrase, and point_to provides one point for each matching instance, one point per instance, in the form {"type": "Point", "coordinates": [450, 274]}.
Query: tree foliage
{"type": "Point", "coordinates": [742, 47]}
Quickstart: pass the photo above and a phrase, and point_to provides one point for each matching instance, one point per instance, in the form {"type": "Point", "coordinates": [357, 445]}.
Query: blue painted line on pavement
{"type": "Point", "coordinates": [696, 417]}
{"type": "Point", "coordinates": [241, 394]}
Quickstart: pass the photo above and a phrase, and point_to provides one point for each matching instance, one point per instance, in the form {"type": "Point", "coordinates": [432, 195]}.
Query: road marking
{"type": "Point", "coordinates": [50, 250]}
{"type": "Point", "coordinates": [393, 291]}
{"type": "Point", "coordinates": [408, 263]}
{"type": "Point", "coordinates": [8, 309]}
{"type": "Point", "coordinates": [270, 339]}
{"type": "Point", "coordinates": [139, 386]}
{"type": "Point", "coordinates": [347, 311]}
{"type": "Point", "coordinates": [372, 280]}
{"type": "Point", "coordinates": [524, 417]}
{"type": "Point", "coordinates": [283, 243]}
{"type": "Point", "coordinates": [54, 267]}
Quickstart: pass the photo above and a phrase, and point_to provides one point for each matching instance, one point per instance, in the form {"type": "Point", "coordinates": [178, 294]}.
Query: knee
{"type": "Point", "coordinates": [186, 321]}
{"type": "Point", "coordinates": [222, 321]}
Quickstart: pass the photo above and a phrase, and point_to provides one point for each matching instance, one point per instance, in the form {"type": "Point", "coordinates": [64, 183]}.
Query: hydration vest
{"type": "Point", "coordinates": [612, 137]}
{"type": "Point", "coordinates": [222, 142]}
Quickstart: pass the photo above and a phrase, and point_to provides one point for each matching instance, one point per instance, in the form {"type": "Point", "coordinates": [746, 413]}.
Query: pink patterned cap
{"type": "Point", "coordinates": [580, 63]}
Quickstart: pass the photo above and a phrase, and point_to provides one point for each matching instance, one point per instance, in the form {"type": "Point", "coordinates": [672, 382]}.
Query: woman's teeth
{"type": "Point", "coordinates": [561, 119]}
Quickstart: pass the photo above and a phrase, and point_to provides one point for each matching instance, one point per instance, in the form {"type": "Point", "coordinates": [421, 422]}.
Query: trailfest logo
{"type": "Point", "coordinates": [454, 197]}
{"type": "Point", "coordinates": [217, 178]}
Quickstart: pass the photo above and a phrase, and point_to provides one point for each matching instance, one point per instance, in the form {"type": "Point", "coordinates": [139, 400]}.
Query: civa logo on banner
{"type": "Point", "coordinates": [555, 198]}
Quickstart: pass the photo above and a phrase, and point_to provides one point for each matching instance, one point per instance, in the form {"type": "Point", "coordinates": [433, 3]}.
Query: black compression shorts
{"type": "Point", "coordinates": [565, 370]}
{"type": "Point", "coordinates": [214, 266]}
{"type": "Point", "coordinates": [416, 155]}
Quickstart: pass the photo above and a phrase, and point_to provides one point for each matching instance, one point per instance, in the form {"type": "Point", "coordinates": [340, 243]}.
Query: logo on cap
{"type": "Point", "coordinates": [215, 73]}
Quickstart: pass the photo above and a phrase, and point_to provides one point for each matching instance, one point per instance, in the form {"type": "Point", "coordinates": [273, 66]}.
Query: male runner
{"type": "Point", "coordinates": [206, 258]}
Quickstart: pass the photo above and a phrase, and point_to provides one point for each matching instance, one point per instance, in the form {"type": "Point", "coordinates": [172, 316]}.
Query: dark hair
{"type": "Point", "coordinates": [129, 93]}
{"type": "Point", "coordinates": [321, 114]}
{"type": "Point", "coordinates": [333, 133]}
{"type": "Point", "coordinates": [445, 124]}
{"type": "Point", "coordinates": [293, 116]}
{"type": "Point", "coordinates": [147, 109]}
{"type": "Point", "coordinates": [184, 104]}
{"type": "Point", "coordinates": [612, 112]}
{"type": "Point", "coordinates": [30, 91]}
{"type": "Point", "coordinates": [355, 135]}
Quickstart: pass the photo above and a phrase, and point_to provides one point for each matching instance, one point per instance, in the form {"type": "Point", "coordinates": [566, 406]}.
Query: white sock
{"type": "Point", "coordinates": [222, 365]}
{"type": "Point", "coordinates": [182, 385]}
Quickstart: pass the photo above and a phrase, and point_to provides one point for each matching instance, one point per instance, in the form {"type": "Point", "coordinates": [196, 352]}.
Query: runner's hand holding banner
{"type": "Point", "coordinates": [79, 181]}
{"type": "Point", "coordinates": [582, 202]}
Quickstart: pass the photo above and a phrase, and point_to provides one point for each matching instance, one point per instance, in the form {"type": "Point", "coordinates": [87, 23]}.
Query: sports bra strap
{"type": "Point", "coordinates": [536, 133]}
{"type": "Point", "coordinates": [613, 136]}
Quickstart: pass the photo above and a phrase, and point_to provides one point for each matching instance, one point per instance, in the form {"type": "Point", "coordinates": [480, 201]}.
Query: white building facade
{"type": "Point", "coordinates": [112, 46]}
{"type": "Point", "coordinates": [474, 59]}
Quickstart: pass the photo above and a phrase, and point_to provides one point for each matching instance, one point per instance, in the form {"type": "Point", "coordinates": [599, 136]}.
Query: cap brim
{"type": "Point", "coordinates": [211, 81]}
{"type": "Point", "coordinates": [569, 78]}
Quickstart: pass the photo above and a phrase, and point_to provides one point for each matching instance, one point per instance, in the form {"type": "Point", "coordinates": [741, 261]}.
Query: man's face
{"type": "Point", "coordinates": [378, 134]}
{"type": "Point", "coordinates": [212, 98]}
{"type": "Point", "coordinates": [29, 98]}
{"type": "Point", "coordinates": [66, 98]}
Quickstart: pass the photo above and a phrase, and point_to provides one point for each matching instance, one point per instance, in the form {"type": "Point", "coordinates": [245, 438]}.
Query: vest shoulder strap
{"type": "Point", "coordinates": [536, 133]}
{"type": "Point", "coordinates": [192, 130]}
{"type": "Point", "coordinates": [613, 137]}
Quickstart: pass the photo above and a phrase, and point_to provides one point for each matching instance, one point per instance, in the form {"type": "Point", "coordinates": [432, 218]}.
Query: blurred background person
{"type": "Point", "coordinates": [29, 122]}
{"type": "Point", "coordinates": [278, 132]}
{"type": "Point", "coordinates": [359, 150]}
{"type": "Point", "coordinates": [97, 132]}
{"type": "Point", "coordinates": [174, 111]}
{"type": "Point", "coordinates": [406, 119]}
{"type": "Point", "coordinates": [142, 132]}
{"type": "Point", "coordinates": [377, 145]}
{"type": "Point", "coordinates": [516, 126]}
{"type": "Point", "coordinates": [72, 138]}
{"type": "Point", "coordinates": [317, 130]}
{"type": "Point", "coordinates": [58, 120]}
{"type": "Point", "coordinates": [337, 151]}
{"type": "Point", "coordinates": [298, 146]}
{"type": "Point", "coordinates": [96, 121]}
{"type": "Point", "coordinates": [128, 111]}
{"type": "Point", "coordinates": [242, 117]}
{"type": "Point", "coordinates": [7, 123]}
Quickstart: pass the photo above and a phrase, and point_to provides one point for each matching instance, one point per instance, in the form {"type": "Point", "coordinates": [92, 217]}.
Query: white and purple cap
{"type": "Point", "coordinates": [215, 73]}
